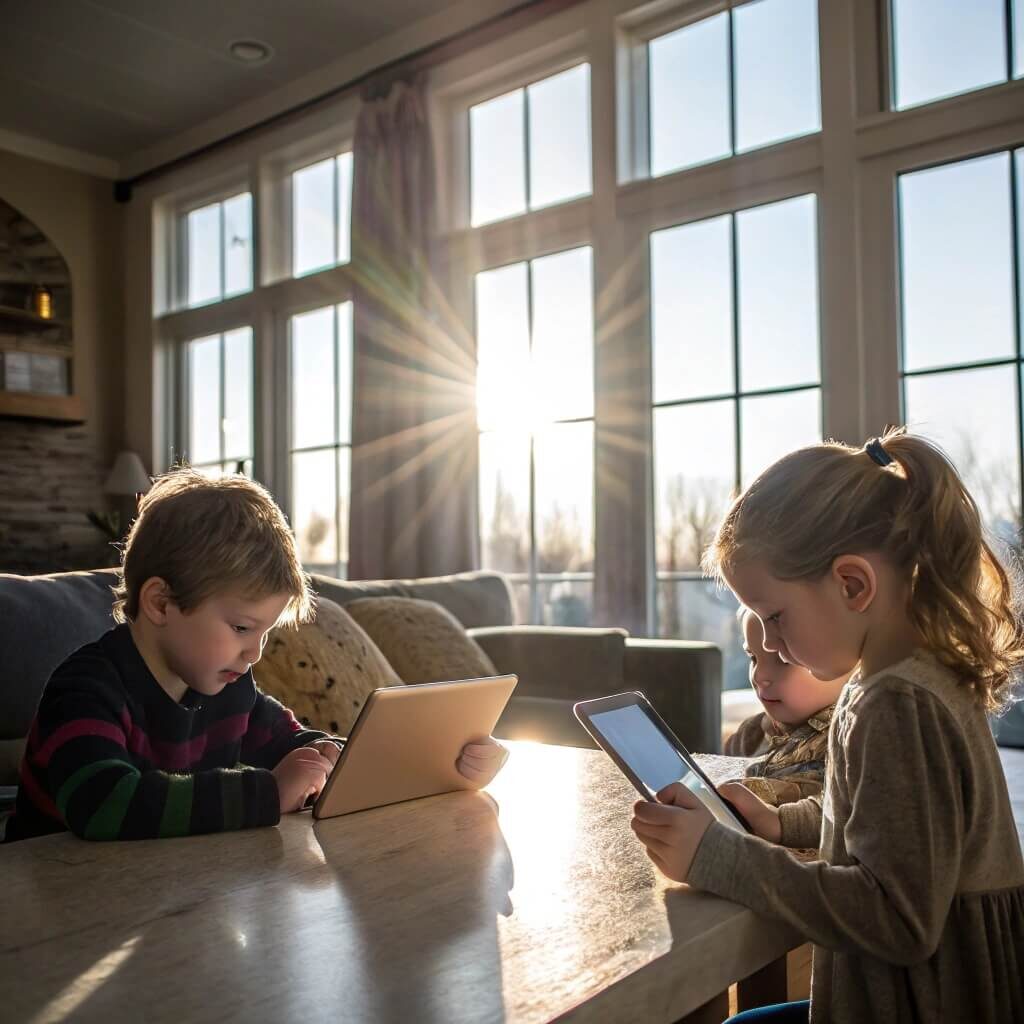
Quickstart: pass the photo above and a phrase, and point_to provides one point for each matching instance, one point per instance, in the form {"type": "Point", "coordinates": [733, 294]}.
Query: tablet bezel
{"type": "Point", "coordinates": [482, 699]}
{"type": "Point", "coordinates": [634, 698]}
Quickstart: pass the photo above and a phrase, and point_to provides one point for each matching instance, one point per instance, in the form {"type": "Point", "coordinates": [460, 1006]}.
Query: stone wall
{"type": "Point", "coordinates": [49, 479]}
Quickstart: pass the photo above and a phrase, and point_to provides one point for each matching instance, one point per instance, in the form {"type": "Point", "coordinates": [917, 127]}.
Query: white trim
{"type": "Point", "coordinates": [61, 156]}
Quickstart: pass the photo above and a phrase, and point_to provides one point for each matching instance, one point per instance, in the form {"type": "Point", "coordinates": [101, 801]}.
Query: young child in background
{"type": "Point", "coordinates": [790, 737]}
{"type": "Point", "coordinates": [875, 559]}
{"type": "Point", "coordinates": [158, 728]}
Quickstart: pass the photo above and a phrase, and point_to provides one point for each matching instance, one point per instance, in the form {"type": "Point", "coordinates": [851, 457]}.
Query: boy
{"type": "Point", "coordinates": [158, 729]}
{"type": "Point", "coordinates": [790, 738]}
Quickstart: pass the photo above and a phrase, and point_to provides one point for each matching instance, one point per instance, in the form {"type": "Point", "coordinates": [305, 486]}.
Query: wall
{"type": "Point", "coordinates": [51, 474]}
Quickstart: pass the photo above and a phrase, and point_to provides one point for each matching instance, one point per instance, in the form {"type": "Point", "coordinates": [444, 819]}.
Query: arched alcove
{"type": "Point", "coordinates": [36, 345]}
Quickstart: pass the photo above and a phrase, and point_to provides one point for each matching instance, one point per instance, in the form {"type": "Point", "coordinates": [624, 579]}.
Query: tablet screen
{"type": "Point", "coordinates": [653, 759]}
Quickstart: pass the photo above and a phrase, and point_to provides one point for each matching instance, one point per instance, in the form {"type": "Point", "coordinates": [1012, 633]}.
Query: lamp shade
{"type": "Point", "coordinates": [127, 475]}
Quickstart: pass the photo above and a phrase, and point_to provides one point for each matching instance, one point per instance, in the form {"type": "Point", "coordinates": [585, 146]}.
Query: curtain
{"type": "Point", "coordinates": [413, 504]}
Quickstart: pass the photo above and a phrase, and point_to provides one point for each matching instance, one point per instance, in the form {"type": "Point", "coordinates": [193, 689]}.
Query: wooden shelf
{"type": "Point", "coordinates": [25, 316]}
{"type": "Point", "coordinates": [55, 408]}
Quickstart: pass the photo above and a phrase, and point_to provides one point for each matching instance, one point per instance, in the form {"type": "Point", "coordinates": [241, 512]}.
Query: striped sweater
{"type": "Point", "coordinates": [111, 756]}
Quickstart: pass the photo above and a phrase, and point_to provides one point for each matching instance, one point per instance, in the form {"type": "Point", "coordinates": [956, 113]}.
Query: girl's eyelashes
{"type": "Point", "coordinates": [774, 618]}
{"type": "Point", "coordinates": [240, 629]}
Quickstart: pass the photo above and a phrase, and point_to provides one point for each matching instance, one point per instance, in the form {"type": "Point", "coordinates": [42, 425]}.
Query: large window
{"type": "Point", "coordinates": [321, 435]}
{"type": "Point", "coordinates": [219, 412]}
{"type": "Point", "coordinates": [321, 203]}
{"type": "Point", "coordinates": [530, 147]}
{"type": "Point", "coordinates": [217, 251]}
{"type": "Point", "coordinates": [734, 314]}
{"type": "Point", "coordinates": [961, 285]}
{"type": "Point", "coordinates": [535, 410]}
{"type": "Point", "coordinates": [734, 82]}
{"type": "Point", "coordinates": [944, 47]}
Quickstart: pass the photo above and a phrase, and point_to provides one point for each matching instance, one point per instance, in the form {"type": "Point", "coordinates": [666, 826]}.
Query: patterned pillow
{"type": "Point", "coordinates": [323, 670]}
{"type": "Point", "coordinates": [423, 641]}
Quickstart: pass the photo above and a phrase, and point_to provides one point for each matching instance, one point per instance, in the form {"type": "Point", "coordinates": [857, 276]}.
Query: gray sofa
{"type": "Point", "coordinates": [44, 618]}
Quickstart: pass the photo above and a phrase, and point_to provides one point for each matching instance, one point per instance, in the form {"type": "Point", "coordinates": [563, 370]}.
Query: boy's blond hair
{"type": "Point", "coordinates": [832, 499]}
{"type": "Point", "coordinates": [203, 537]}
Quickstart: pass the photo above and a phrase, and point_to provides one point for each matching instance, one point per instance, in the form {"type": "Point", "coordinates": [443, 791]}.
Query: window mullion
{"type": "Point", "coordinates": [735, 292]}
{"type": "Point", "coordinates": [1018, 313]}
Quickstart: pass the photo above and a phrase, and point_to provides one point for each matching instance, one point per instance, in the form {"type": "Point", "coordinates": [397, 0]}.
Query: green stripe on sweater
{"type": "Point", "coordinates": [177, 816]}
{"type": "Point", "coordinates": [87, 771]}
{"type": "Point", "coordinates": [106, 820]}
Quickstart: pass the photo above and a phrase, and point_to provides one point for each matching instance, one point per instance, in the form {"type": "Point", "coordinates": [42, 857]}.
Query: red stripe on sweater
{"type": "Point", "coordinates": [170, 756]}
{"type": "Point", "coordinates": [37, 794]}
{"type": "Point", "coordinates": [73, 730]}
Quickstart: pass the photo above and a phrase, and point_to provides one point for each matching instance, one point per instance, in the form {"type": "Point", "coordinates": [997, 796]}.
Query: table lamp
{"type": "Point", "coordinates": [127, 481]}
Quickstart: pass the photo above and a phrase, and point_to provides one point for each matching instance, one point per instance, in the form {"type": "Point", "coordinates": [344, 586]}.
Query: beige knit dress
{"type": "Point", "coordinates": [916, 909]}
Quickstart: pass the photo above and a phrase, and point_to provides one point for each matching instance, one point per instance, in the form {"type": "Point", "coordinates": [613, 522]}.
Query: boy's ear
{"type": "Point", "coordinates": [154, 597]}
{"type": "Point", "coordinates": [857, 582]}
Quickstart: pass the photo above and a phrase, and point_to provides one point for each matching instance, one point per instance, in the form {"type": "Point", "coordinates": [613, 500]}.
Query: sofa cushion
{"type": "Point", "coordinates": [424, 642]}
{"type": "Point", "coordinates": [323, 670]}
{"type": "Point", "coordinates": [556, 662]}
{"type": "Point", "coordinates": [43, 619]}
{"type": "Point", "coordinates": [475, 598]}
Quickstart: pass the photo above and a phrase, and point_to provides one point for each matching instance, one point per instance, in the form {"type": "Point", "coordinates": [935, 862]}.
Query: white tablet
{"type": "Point", "coordinates": [406, 740]}
{"type": "Point", "coordinates": [648, 753]}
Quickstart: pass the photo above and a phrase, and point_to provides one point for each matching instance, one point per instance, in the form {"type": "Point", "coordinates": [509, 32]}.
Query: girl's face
{"type": "Point", "coordinates": [789, 693]}
{"type": "Point", "coordinates": [806, 624]}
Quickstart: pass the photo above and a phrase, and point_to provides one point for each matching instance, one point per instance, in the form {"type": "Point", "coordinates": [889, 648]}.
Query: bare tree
{"type": "Point", "coordinates": [560, 546]}
{"type": "Point", "coordinates": [694, 508]}
{"type": "Point", "coordinates": [506, 545]}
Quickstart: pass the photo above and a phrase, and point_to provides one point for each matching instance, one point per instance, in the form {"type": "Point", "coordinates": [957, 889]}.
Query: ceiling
{"type": "Point", "coordinates": [115, 78]}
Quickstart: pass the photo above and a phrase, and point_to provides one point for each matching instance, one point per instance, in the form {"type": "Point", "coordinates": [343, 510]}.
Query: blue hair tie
{"type": "Point", "coordinates": [878, 453]}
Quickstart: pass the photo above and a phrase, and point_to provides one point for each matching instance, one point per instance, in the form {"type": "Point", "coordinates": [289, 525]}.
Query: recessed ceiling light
{"type": "Point", "coordinates": [250, 51]}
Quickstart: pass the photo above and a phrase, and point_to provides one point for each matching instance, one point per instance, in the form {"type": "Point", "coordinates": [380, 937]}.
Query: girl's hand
{"type": "Point", "coordinates": [762, 817]}
{"type": "Point", "coordinates": [480, 762]}
{"type": "Point", "coordinates": [300, 774]}
{"type": "Point", "coordinates": [671, 830]}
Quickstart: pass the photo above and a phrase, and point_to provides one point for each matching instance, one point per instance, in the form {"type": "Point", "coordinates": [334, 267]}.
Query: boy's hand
{"type": "Point", "coordinates": [671, 830]}
{"type": "Point", "coordinates": [762, 817]}
{"type": "Point", "coordinates": [300, 774]}
{"type": "Point", "coordinates": [480, 762]}
{"type": "Point", "coordinates": [327, 748]}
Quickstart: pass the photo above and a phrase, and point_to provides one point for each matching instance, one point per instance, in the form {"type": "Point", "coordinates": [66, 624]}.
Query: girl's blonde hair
{"type": "Point", "coordinates": [204, 537]}
{"type": "Point", "coordinates": [831, 499]}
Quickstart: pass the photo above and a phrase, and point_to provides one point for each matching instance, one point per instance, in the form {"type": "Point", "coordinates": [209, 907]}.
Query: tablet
{"type": "Point", "coordinates": [648, 753]}
{"type": "Point", "coordinates": [406, 740]}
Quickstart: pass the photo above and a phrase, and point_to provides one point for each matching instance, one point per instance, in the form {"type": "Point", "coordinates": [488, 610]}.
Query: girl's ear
{"type": "Point", "coordinates": [857, 582]}
{"type": "Point", "coordinates": [154, 597]}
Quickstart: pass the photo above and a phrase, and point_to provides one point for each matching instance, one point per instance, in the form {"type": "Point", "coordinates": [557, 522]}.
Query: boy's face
{"type": "Point", "coordinates": [212, 645]}
{"type": "Point", "coordinates": [788, 692]}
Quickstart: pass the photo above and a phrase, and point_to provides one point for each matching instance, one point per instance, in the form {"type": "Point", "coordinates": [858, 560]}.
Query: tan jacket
{"type": "Point", "coordinates": [791, 760]}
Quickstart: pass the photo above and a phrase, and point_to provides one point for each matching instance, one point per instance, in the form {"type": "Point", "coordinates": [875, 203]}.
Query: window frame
{"type": "Point", "coordinates": [533, 577]}
{"type": "Point", "coordinates": [736, 395]}
{"type": "Point", "coordinates": [1016, 359]}
{"type": "Point", "coordinates": [285, 408]}
{"type": "Point", "coordinates": [177, 239]}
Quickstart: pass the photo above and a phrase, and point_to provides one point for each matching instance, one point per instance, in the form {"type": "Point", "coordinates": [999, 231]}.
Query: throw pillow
{"type": "Point", "coordinates": [324, 670]}
{"type": "Point", "coordinates": [423, 641]}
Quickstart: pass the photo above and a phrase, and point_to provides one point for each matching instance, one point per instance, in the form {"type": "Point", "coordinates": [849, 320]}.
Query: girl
{"type": "Point", "coordinates": [874, 558]}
